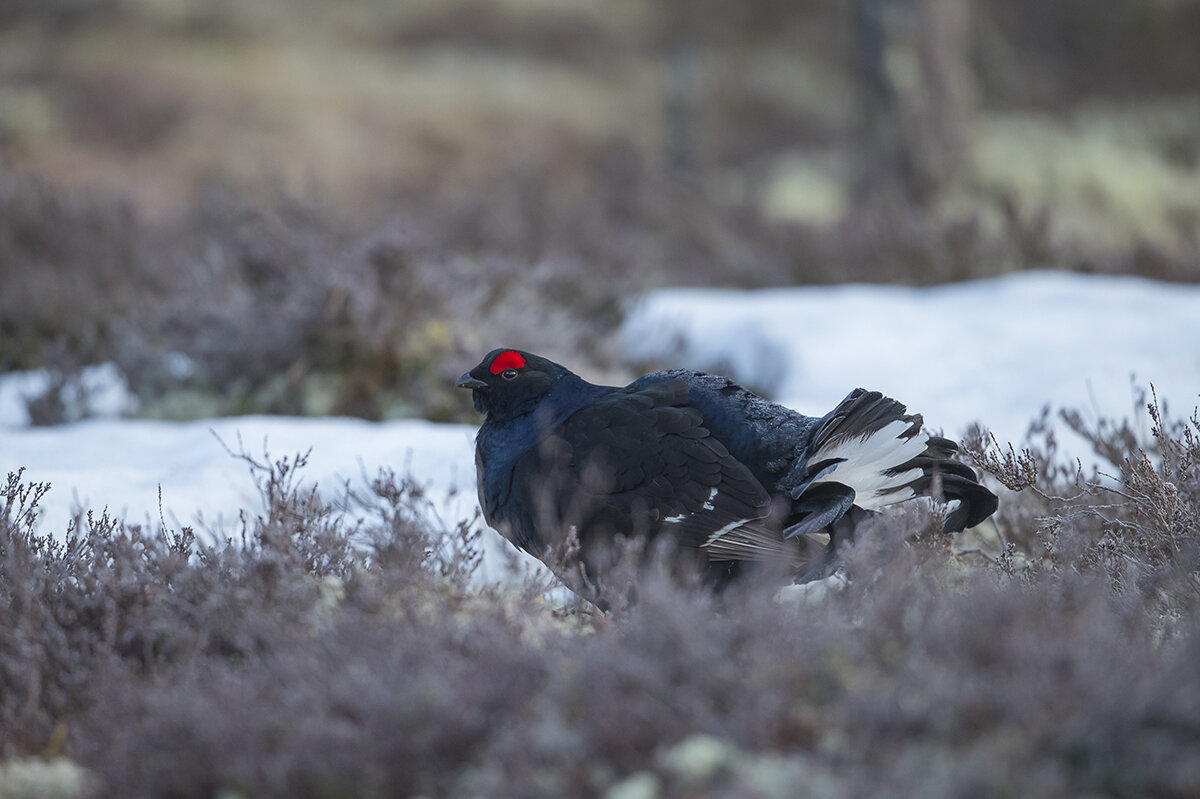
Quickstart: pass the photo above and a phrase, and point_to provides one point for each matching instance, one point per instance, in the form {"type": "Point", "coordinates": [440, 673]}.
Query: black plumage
{"type": "Point", "coordinates": [567, 469]}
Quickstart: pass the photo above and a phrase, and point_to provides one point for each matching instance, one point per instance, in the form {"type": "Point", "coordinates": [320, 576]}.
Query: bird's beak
{"type": "Point", "coordinates": [466, 381]}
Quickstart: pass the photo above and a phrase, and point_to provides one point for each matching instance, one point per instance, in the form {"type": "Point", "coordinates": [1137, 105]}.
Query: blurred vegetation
{"type": "Point", "coordinates": [302, 207]}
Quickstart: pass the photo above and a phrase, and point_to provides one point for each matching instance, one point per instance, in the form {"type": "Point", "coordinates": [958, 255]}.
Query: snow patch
{"type": "Point", "coordinates": [994, 351]}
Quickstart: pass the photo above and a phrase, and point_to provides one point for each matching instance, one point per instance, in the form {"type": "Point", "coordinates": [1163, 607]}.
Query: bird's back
{"type": "Point", "coordinates": [773, 441]}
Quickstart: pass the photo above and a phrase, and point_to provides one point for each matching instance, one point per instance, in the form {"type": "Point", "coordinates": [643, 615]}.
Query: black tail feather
{"type": "Point", "coordinates": [949, 480]}
{"type": "Point", "coordinates": [975, 502]}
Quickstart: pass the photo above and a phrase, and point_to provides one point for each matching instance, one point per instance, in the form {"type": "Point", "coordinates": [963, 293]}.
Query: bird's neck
{"type": "Point", "coordinates": [516, 433]}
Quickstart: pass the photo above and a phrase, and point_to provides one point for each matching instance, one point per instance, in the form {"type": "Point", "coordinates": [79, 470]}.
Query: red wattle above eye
{"type": "Point", "coordinates": [509, 359]}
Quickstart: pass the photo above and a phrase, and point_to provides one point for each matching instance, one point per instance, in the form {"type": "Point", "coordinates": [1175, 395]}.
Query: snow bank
{"type": "Point", "coordinates": [994, 351]}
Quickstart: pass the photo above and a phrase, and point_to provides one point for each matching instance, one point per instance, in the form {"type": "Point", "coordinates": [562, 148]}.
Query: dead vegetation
{"type": "Point", "coordinates": [1133, 518]}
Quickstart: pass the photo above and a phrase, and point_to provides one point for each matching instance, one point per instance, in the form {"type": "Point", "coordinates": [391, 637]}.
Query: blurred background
{"type": "Point", "coordinates": [303, 207]}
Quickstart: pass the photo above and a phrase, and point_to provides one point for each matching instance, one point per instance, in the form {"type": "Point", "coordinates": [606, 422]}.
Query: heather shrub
{"type": "Point", "coordinates": [1134, 517]}
{"type": "Point", "coordinates": [340, 648]}
{"type": "Point", "coordinates": [109, 600]}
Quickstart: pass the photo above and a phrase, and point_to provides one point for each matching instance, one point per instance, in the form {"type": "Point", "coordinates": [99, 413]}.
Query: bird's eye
{"type": "Point", "coordinates": [509, 374]}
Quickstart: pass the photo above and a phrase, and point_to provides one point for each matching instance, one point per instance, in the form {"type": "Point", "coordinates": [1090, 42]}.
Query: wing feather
{"type": "Point", "coordinates": [642, 461]}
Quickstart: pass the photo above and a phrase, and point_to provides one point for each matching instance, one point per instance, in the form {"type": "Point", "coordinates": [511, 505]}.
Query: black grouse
{"type": "Point", "coordinates": [567, 469]}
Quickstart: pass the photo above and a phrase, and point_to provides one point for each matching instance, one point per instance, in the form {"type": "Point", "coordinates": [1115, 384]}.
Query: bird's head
{"type": "Point", "coordinates": [509, 382]}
